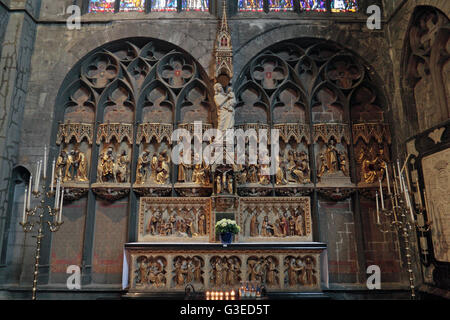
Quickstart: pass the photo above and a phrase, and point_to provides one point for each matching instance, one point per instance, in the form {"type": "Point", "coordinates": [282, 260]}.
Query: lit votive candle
{"type": "Point", "coordinates": [233, 293]}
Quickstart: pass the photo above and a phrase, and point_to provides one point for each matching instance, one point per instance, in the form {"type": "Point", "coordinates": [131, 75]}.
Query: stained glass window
{"type": "Point", "coordinates": [281, 5]}
{"type": "Point", "coordinates": [344, 6]}
{"type": "Point", "coordinates": [132, 5]}
{"type": "Point", "coordinates": [195, 5]}
{"type": "Point", "coordinates": [101, 5]}
{"type": "Point", "coordinates": [164, 5]}
{"type": "Point", "coordinates": [251, 5]}
{"type": "Point", "coordinates": [313, 5]}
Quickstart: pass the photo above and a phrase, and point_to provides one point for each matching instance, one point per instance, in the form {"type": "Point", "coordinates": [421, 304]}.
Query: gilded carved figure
{"type": "Point", "coordinates": [105, 169]}
{"type": "Point", "coordinates": [121, 168]}
{"type": "Point", "coordinates": [332, 161]}
{"type": "Point", "coordinates": [372, 166]}
{"type": "Point", "coordinates": [225, 107]}
{"type": "Point", "coordinates": [143, 168]}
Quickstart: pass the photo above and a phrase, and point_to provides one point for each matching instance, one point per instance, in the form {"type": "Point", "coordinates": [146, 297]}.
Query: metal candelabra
{"type": "Point", "coordinates": [400, 215]}
{"type": "Point", "coordinates": [35, 217]}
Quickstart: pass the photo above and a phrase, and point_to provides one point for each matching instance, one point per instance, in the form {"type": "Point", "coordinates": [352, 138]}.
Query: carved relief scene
{"type": "Point", "coordinates": [150, 272]}
{"type": "Point", "coordinates": [188, 271]}
{"type": "Point", "coordinates": [436, 172]}
{"type": "Point", "coordinates": [223, 270]}
{"type": "Point", "coordinates": [264, 270]}
{"type": "Point", "coordinates": [275, 219]}
{"type": "Point", "coordinates": [174, 219]}
{"type": "Point", "coordinates": [301, 271]}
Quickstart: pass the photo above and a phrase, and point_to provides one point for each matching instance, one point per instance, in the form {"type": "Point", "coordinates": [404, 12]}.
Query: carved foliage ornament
{"type": "Point", "coordinates": [340, 132]}
{"type": "Point", "coordinates": [120, 131]}
{"type": "Point", "coordinates": [366, 131]}
{"type": "Point", "coordinates": [79, 131]}
{"type": "Point", "coordinates": [159, 131]}
{"type": "Point", "coordinates": [294, 130]}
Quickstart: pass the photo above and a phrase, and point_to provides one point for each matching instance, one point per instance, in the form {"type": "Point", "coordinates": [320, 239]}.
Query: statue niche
{"type": "Point", "coordinates": [150, 272]}
{"type": "Point", "coordinates": [75, 137]}
{"type": "Point", "coordinates": [294, 166]}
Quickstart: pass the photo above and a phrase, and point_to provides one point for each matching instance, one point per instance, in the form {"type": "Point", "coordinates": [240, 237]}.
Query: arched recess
{"type": "Point", "coordinates": [426, 69]}
{"type": "Point", "coordinates": [345, 112]}
{"type": "Point", "coordinates": [121, 100]}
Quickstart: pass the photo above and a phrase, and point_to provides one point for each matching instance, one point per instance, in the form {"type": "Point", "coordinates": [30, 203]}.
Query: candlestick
{"type": "Point", "coordinates": [387, 177]}
{"type": "Point", "coordinates": [25, 205]}
{"type": "Point", "coordinates": [29, 192]}
{"type": "Point", "coordinates": [45, 162]}
{"type": "Point", "coordinates": [378, 209]}
{"type": "Point", "coordinates": [53, 175]}
{"type": "Point", "coordinates": [381, 193]}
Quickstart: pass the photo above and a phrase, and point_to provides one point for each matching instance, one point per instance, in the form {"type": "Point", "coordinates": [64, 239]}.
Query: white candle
{"type": "Point", "coordinates": [387, 177]}
{"type": "Point", "coordinates": [400, 175]}
{"type": "Point", "coordinates": [378, 208]}
{"type": "Point", "coordinates": [38, 175]}
{"type": "Point", "coordinates": [24, 217]}
{"type": "Point", "coordinates": [61, 206]}
{"type": "Point", "coordinates": [45, 162]}
{"type": "Point", "coordinates": [58, 184]}
{"type": "Point", "coordinates": [381, 194]}
{"type": "Point", "coordinates": [29, 192]}
{"type": "Point", "coordinates": [53, 175]}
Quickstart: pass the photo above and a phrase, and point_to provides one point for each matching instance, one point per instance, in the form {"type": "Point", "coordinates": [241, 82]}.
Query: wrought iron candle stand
{"type": "Point", "coordinates": [401, 207]}
{"type": "Point", "coordinates": [40, 222]}
{"type": "Point", "coordinates": [399, 221]}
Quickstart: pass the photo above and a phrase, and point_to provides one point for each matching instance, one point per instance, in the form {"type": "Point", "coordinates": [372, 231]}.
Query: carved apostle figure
{"type": "Point", "coordinates": [105, 168]}
{"type": "Point", "coordinates": [121, 168]}
{"type": "Point", "coordinates": [142, 168]}
{"type": "Point", "coordinates": [225, 107]}
{"type": "Point", "coordinates": [80, 164]}
{"type": "Point", "coordinates": [163, 168]}
{"type": "Point", "coordinates": [254, 230]}
{"type": "Point", "coordinates": [61, 164]}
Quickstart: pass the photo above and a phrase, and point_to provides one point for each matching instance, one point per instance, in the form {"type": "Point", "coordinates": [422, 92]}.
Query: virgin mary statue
{"type": "Point", "coordinates": [225, 107]}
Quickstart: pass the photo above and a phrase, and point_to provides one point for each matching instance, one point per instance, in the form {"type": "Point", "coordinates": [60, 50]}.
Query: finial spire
{"type": "Point", "coordinates": [224, 49]}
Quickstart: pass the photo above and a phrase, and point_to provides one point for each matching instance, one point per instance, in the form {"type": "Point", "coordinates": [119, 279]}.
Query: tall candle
{"type": "Point", "coordinates": [382, 197]}
{"type": "Point", "coordinates": [378, 208]}
{"type": "Point", "coordinates": [38, 175]}
{"type": "Point", "coordinates": [25, 205]}
{"type": "Point", "coordinates": [45, 162]}
{"type": "Point", "coordinates": [53, 175]}
{"type": "Point", "coordinates": [387, 177]}
{"type": "Point", "coordinates": [61, 206]}
{"type": "Point", "coordinates": [58, 183]}
{"type": "Point", "coordinates": [29, 192]}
